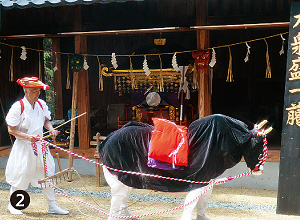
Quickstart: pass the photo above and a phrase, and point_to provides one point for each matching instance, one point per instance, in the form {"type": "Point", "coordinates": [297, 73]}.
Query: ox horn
{"type": "Point", "coordinates": [267, 131]}
{"type": "Point", "coordinates": [261, 124]}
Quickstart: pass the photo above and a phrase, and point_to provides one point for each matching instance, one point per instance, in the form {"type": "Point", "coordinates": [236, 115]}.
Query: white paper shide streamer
{"type": "Point", "coordinates": [23, 53]}
{"type": "Point", "coordinates": [282, 45]}
{"type": "Point", "coordinates": [55, 68]}
{"type": "Point", "coordinates": [174, 63]}
{"type": "Point", "coordinates": [85, 64]}
{"type": "Point", "coordinates": [114, 60]}
{"type": "Point", "coordinates": [145, 67]}
{"type": "Point", "coordinates": [248, 53]}
{"type": "Point", "coordinates": [213, 58]}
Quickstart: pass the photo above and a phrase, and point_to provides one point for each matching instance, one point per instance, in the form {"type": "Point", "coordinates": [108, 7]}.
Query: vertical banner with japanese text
{"type": "Point", "coordinates": [288, 199]}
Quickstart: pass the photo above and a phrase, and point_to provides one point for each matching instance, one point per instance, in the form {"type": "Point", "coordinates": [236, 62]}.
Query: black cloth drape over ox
{"type": "Point", "coordinates": [214, 146]}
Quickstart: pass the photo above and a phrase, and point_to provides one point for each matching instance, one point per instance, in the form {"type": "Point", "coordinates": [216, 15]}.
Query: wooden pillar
{"type": "Point", "coordinates": [83, 97]}
{"type": "Point", "coordinates": [57, 79]}
{"type": "Point", "coordinates": [204, 92]}
{"type": "Point", "coordinates": [83, 86]}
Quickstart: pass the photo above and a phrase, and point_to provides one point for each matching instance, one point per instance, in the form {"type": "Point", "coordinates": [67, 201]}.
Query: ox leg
{"type": "Point", "coordinates": [202, 205]}
{"type": "Point", "coordinates": [119, 194]}
{"type": "Point", "coordinates": [188, 210]}
{"type": "Point", "coordinates": [124, 204]}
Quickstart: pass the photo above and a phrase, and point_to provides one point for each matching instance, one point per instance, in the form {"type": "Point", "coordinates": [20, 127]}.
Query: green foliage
{"type": "Point", "coordinates": [49, 79]}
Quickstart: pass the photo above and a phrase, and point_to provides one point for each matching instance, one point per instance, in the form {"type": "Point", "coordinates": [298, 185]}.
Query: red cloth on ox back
{"type": "Point", "coordinates": [169, 142]}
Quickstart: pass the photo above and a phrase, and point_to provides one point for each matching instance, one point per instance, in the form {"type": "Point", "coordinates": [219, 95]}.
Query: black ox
{"type": "Point", "coordinates": [216, 143]}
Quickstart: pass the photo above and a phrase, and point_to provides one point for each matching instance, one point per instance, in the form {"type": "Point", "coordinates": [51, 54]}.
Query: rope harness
{"type": "Point", "coordinates": [45, 146]}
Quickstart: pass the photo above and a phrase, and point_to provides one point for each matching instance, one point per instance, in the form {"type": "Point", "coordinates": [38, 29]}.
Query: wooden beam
{"type": "Point", "coordinates": [57, 80]}
{"type": "Point", "coordinates": [108, 32]}
{"type": "Point", "coordinates": [152, 30]}
{"type": "Point", "coordinates": [241, 26]}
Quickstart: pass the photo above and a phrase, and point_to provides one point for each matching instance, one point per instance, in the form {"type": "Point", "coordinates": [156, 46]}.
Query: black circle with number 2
{"type": "Point", "coordinates": [20, 199]}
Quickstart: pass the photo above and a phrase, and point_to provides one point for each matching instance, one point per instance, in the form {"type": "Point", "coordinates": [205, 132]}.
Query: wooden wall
{"type": "Point", "coordinates": [11, 91]}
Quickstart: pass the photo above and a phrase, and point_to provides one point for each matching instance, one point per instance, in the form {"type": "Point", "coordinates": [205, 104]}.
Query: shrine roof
{"type": "Point", "coordinates": [22, 4]}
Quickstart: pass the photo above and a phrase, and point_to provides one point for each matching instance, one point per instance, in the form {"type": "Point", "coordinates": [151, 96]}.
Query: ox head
{"type": "Point", "coordinates": [254, 150]}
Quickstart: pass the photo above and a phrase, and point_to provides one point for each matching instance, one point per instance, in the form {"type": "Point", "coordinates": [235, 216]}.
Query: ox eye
{"type": "Point", "coordinates": [260, 157]}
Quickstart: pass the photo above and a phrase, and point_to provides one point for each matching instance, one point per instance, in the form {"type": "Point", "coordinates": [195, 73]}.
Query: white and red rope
{"type": "Point", "coordinates": [45, 145]}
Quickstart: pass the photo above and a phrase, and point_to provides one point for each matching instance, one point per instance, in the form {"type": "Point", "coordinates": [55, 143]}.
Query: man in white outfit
{"type": "Point", "coordinates": [120, 195]}
{"type": "Point", "coordinates": [25, 120]}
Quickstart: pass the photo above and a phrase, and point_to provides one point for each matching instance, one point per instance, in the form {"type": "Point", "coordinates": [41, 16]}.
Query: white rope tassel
{"type": "Point", "coordinates": [248, 53]}
{"type": "Point", "coordinates": [145, 67]}
{"type": "Point", "coordinates": [114, 60]}
{"type": "Point", "coordinates": [213, 58]}
{"type": "Point", "coordinates": [23, 53]}
{"type": "Point", "coordinates": [282, 45]}
{"type": "Point", "coordinates": [85, 64]}
{"type": "Point", "coordinates": [174, 63]}
{"type": "Point", "coordinates": [55, 68]}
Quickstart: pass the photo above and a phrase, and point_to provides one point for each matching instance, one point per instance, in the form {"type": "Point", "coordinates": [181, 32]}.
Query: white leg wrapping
{"type": "Point", "coordinates": [50, 197]}
{"type": "Point", "coordinates": [202, 205]}
{"type": "Point", "coordinates": [11, 209]}
{"type": "Point", "coordinates": [119, 194]}
{"type": "Point", "coordinates": [188, 210]}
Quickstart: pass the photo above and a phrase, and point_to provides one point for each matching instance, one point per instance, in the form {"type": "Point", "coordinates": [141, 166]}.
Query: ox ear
{"type": "Point", "coordinates": [267, 131]}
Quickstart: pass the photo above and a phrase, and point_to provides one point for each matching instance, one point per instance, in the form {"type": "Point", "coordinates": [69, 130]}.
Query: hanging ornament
{"type": "Point", "coordinates": [145, 67]}
{"type": "Point", "coordinates": [68, 84]}
{"type": "Point", "coordinates": [132, 77]}
{"type": "Point", "coordinates": [85, 65]}
{"type": "Point", "coordinates": [201, 58]}
{"type": "Point", "coordinates": [114, 60]}
{"type": "Point", "coordinates": [174, 63]}
{"type": "Point", "coordinates": [195, 84]}
{"type": "Point", "coordinates": [268, 67]}
{"type": "Point", "coordinates": [282, 45]}
{"type": "Point", "coordinates": [55, 68]}
{"type": "Point", "coordinates": [11, 68]}
{"type": "Point", "coordinates": [213, 58]}
{"type": "Point", "coordinates": [23, 53]}
{"type": "Point", "coordinates": [161, 80]}
{"type": "Point", "coordinates": [248, 53]}
{"type": "Point", "coordinates": [76, 62]}
{"type": "Point", "coordinates": [40, 66]}
{"type": "Point", "coordinates": [100, 76]}
{"type": "Point", "coordinates": [230, 75]}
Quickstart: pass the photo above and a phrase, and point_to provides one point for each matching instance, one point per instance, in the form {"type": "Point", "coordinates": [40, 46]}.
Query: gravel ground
{"type": "Point", "coordinates": [225, 203]}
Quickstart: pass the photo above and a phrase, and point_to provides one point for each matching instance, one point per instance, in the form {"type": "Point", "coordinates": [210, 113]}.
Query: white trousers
{"type": "Point", "coordinates": [200, 203]}
{"type": "Point", "coordinates": [48, 193]}
{"type": "Point", "coordinates": [119, 194]}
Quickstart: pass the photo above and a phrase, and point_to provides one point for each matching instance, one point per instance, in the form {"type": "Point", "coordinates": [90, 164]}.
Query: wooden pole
{"type": "Point", "coordinates": [204, 96]}
{"type": "Point", "coordinates": [83, 91]}
{"type": "Point", "coordinates": [73, 122]}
